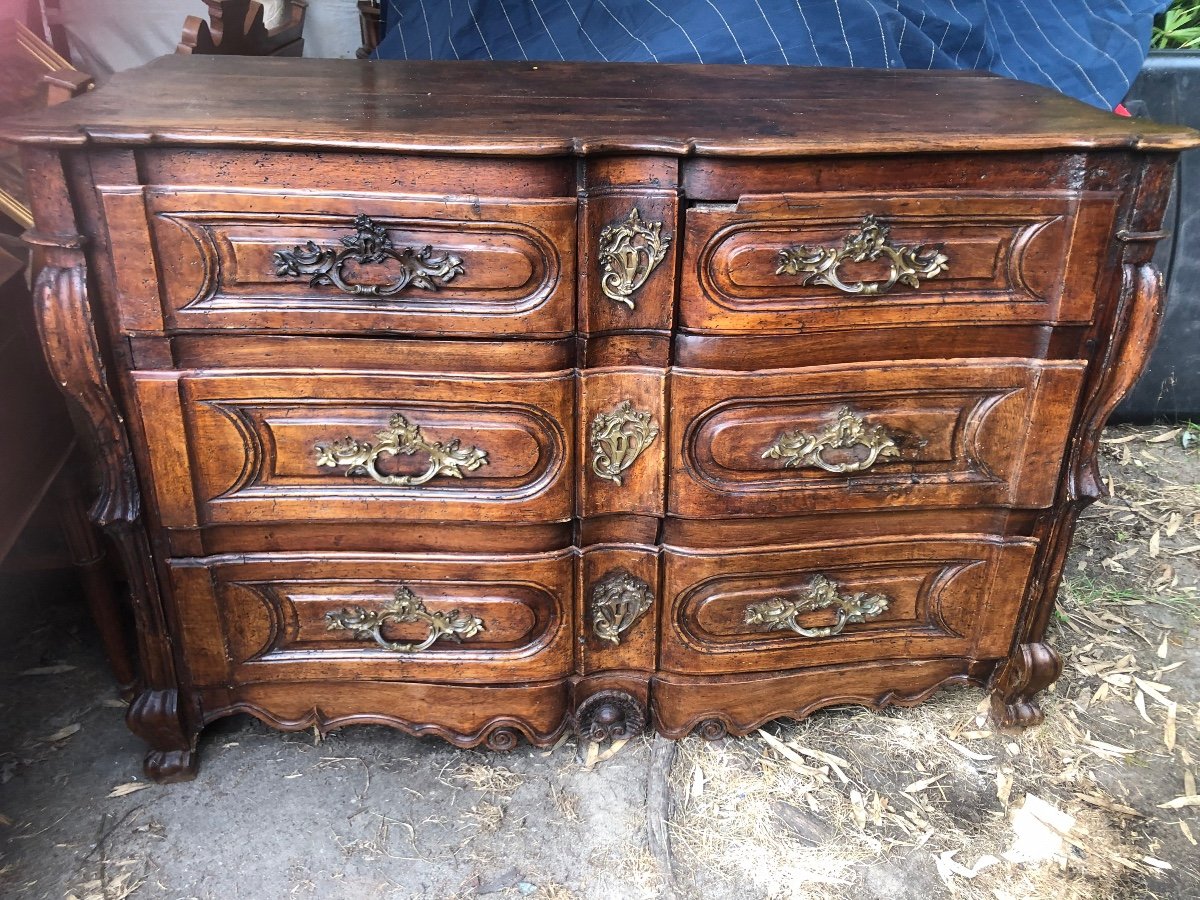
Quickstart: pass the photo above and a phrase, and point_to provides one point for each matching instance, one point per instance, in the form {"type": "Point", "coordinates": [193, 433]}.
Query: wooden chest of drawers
{"type": "Point", "coordinates": [484, 400]}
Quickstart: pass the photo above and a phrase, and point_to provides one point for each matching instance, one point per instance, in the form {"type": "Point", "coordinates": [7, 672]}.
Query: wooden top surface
{"type": "Point", "coordinates": [556, 108]}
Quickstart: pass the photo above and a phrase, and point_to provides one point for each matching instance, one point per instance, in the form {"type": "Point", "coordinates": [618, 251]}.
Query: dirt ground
{"type": "Point", "coordinates": [1100, 802]}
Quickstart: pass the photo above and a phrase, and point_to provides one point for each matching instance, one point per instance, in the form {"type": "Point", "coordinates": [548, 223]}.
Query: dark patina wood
{"type": "Point", "coordinates": [481, 400]}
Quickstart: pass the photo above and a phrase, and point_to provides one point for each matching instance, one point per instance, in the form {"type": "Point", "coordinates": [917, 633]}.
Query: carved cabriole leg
{"type": "Point", "coordinates": [155, 715]}
{"type": "Point", "coordinates": [1130, 331]}
{"type": "Point", "coordinates": [69, 339]}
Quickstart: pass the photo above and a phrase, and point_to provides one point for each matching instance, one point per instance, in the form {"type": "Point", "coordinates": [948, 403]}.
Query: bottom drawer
{"type": "Point", "coordinates": [335, 617]}
{"type": "Point", "coordinates": [758, 610]}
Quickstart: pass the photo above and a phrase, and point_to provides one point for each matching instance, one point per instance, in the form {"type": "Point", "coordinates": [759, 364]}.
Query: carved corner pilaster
{"type": "Point", "coordinates": [1142, 296]}
{"type": "Point", "coordinates": [1031, 668]}
{"type": "Point", "coordinates": [73, 355]}
{"type": "Point", "coordinates": [610, 715]}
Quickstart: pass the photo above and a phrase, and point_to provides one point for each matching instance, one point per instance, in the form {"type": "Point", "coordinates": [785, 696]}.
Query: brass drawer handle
{"type": "Point", "coordinates": [400, 438]}
{"type": "Point", "coordinates": [369, 244]}
{"type": "Point", "coordinates": [779, 614]}
{"type": "Point", "coordinates": [799, 449]}
{"type": "Point", "coordinates": [618, 438]}
{"type": "Point", "coordinates": [618, 601]}
{"type": "Point", "coordinates": [629, 252]}
{"type": "Point", "coordinates": [405, 606]}
{"type": "Point", "coordinates": [819, 265]}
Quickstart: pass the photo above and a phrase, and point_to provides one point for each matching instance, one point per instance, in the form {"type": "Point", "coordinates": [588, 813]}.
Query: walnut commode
{"type": "Point", "coordinates": [482, 400]}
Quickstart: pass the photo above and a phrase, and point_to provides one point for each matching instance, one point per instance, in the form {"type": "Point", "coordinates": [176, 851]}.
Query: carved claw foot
{"type": "Point", "coordinates": [170, 766]}
{"type": "Point", "coordinates": [609, 715]}
{"type": "Point", "coordinates": [1031, 668]}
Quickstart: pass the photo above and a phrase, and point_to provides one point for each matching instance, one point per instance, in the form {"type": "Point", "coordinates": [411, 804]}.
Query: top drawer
{"type": "Point", "coordinates": [792, 262]}
{"type": "Point", "coordinates": [340, 262]}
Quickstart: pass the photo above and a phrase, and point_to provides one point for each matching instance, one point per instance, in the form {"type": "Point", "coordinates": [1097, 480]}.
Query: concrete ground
{"type": "Point", "coordinates": [922, 803]}
{"type": "Point", "coordinates": [365, 813]}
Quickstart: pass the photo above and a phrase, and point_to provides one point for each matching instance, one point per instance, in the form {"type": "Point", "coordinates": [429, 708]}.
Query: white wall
{"type": "Point", "coordinates": [111, 35]}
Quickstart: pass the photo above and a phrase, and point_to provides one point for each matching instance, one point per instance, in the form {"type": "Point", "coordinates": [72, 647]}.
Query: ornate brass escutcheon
{"type": "Point", "coordinates": [369, 244]}
{"type": "Point", "coordinates": [405, 606]}
{"type": "Point", "coordinates": [798, 449]}
{"type": "Point", "coordinates": [629, 252]}
{"type": "Point", "coordinates": [819, 265]}
{"type": "Point", "coordinates": [617, 438]}
{"type": "Point", "coordinates": [618, 600]}
{"type": "Point", "coordinates": [400, 438]}
{"type": "Point", "coordinates": [779, 614]}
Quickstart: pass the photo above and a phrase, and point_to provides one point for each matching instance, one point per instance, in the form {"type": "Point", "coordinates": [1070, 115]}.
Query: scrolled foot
{"type": "Point", "coordinates": [170, 766]}
{"type": "Point", "coordinates": [609, 715]}
{"type": "Point", "coordinates": [1032, 668]}
{"type": "Point", "coordinates": [502, 739]}
{"type": "Point", "coordinates": [155, 717]}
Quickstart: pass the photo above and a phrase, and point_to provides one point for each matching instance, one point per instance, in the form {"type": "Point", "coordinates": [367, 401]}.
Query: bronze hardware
{"type": "Point", "coordinates": [369, 244]}
{"type": "Point", "coordinates": [400, 438]}
{"type": "Point", "coordinates": [629, 252]}
{"type": "Point", "coordinates": [778, 614]}
{"type": "Point", "coordinates": [403, 607]}
{"type": "Point", "coordinates": [800, 450]}
{"type": "Point", "coordinates": [617, 439]}
{"type": "Point", "coordinates": [618, 601]}
{"type": "Point", "coordinates": [819, 265]}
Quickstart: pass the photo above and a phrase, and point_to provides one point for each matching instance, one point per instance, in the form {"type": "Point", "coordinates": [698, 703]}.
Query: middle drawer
{"type": "Point", "coordinates": [291, 447]}
{"type": "Point", "coordinates": [954, 432]}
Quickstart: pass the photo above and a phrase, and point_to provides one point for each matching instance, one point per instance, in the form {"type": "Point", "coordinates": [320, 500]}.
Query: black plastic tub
{"type": "Point", "coordinates": [1168, 89]}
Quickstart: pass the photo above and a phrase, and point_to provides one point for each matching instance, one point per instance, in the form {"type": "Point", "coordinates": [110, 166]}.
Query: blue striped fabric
{"type": "Point", "coordinates": [1089, 49]}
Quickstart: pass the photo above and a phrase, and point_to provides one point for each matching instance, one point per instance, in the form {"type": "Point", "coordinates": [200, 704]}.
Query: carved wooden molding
{"type": "Point", "coordinates": [794, 696]}
{"type": "Point", "coordinates": [237, 28]}
{"type": "Point", "coordinates": [500, 733]}
{"type": "Point", "coordinates": [610, 715]}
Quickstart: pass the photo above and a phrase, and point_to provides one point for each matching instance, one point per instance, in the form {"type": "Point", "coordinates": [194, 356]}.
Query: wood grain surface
{"type": "Point", "coordinates": [914, 454]}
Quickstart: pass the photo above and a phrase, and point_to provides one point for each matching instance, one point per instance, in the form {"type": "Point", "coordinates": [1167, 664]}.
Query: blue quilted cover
{"type": "Point", "coordinates": [1089, 49]}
